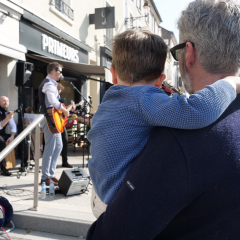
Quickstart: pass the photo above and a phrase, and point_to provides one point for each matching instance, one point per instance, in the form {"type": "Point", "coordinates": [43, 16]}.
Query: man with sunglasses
{"type": "Point", "coordinates": [48, 97]}
{"type": "Point", "coordinates": [185, 183]}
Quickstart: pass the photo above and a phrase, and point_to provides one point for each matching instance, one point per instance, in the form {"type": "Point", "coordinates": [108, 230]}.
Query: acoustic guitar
{"type": "Point", "coordinates": [56, 120]}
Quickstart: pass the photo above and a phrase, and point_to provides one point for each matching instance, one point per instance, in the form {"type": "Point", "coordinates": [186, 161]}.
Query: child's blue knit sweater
{"type": "Point", "coordinates": [124, 119]}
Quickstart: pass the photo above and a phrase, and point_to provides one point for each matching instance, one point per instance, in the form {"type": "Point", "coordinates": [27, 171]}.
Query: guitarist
{"type": "Point", "coordinates": [4, 120]}
{"type": "Point", "coordinates": [48, 97]}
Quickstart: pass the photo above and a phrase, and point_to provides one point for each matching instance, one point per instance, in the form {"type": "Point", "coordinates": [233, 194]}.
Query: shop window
{"type": "Point", "coordinates": [153, 23]}
{"type": "Point", "coordinates": [109, 34]}
{"type": "Point", "coordinates": [63, 7]}
{"type": "Point", "coordinates": [156, 28]}
{"type": "Point", "coordinates": [107, 39]}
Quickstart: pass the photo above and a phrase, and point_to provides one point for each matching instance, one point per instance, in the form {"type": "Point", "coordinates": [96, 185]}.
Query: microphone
{"type": "Point", "coordinates": [17, 110]}
{"type": "Point", "coordinates": [68, 78]}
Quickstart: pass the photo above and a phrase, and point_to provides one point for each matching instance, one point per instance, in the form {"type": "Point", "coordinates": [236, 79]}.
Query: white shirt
{"type": "Point", "coordinates": [12, 125]}
{"type": "Point", "coordinates": [51, 92]}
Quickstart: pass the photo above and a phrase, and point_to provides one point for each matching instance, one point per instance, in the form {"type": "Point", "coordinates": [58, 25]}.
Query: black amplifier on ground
{"type": "Point", "coordinates": [74, 181]}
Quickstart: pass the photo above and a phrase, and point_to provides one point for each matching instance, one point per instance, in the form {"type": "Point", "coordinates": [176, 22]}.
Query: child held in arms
{"type": "Point", "coordinates": [135, 105]}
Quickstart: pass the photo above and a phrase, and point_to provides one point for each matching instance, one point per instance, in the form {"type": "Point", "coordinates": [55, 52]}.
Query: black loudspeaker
{"type": "Point", "coordinates": [74, 181]}
{"type": "Point", "coordinates": [23, 73]}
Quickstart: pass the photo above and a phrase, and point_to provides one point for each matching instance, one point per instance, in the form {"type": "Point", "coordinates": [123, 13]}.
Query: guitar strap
{"type": "Point", "coordinates": [50, 123]}
{"type": "Point", "coordinates": [43, 109]}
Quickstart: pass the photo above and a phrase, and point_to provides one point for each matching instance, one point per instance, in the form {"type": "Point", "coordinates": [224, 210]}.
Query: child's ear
{"type": "Point", "coordinates": [160, 81]}
{"type": "Point", "coordinates": [114, 75]}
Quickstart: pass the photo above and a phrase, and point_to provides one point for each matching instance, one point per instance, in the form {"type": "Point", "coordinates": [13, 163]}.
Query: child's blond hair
{"type": "Point", "coordinates": [138, 55]}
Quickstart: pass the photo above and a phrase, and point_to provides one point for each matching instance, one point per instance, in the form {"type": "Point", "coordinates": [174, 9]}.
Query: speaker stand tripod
{"type": "Point", "coordinates": [25, 169]}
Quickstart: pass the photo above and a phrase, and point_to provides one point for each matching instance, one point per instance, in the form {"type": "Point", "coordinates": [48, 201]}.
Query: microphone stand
{"type": "Point", "coordinates": [84, 122]}
{"type": "Point", "coordinates": [86, 103]}
{"type": "Point", "coordinates": [85, 100]}
{"type": "Point", "coordinates": [89, 114]}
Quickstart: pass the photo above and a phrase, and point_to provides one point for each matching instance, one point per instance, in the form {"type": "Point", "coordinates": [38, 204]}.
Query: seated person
{"type": "Point", "coordinates": [4, 120]}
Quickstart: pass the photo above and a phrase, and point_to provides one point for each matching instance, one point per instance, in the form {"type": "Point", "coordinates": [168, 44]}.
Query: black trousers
{"type": "Point", "coordinates": [3, 139]}
{"type": "Point", "coordinates": [65, 146]}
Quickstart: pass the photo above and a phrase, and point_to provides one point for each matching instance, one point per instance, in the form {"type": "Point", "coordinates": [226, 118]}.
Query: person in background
{"type": "Point", "coordinates": [64, 152]}
{"type": "Point", "coordinates": [184, 185]}
{"type": "Point", "coordinates": [6, 119]}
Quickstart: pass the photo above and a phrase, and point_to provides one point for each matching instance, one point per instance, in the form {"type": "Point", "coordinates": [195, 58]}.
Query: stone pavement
{"type": "Point", "coordinates": [70, 215]}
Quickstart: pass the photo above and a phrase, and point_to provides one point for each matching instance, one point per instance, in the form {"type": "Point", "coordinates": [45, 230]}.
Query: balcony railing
{"type": "Point", "coordinates": [107, 42]}
{"type": "Point", "coordinates": [62, 7]}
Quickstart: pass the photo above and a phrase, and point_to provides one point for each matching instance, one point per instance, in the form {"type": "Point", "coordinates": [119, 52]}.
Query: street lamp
{"type": "Point", "coordinates": [146, 9]}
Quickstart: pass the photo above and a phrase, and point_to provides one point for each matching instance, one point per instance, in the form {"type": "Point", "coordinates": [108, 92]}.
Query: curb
{"type": "Point", "coordinates": [51, 225]}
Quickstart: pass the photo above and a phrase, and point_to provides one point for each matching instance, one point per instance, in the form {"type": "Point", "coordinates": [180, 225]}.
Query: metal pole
{"type": "Point", "coordinates": [36, 174]}
{"type": "Point", "coordinates": [81, 94]}
{"type": "Point", "coordinates": [29, 146]}
{"type": "Point", "coordinates": [84, 129]}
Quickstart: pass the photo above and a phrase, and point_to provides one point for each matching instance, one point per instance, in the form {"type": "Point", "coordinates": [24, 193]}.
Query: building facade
{"type": "Point", "coordinates": [75, 33]}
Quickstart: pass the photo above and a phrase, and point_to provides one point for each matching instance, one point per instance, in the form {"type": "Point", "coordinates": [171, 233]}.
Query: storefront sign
{"type": "Point", "coordinates": [60, 49]}
{"type": "Point", "coordinates": [105, 17]}
{"type": "Point", "coordinates": [39, 41]}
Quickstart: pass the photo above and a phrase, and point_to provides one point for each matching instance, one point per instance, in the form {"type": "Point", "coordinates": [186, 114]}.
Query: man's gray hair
{"type": "Point", "coordinates": [214, 27]}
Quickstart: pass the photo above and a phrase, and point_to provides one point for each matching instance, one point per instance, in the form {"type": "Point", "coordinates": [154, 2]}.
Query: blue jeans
{"type": "Point", "coordinates": [52, 150]}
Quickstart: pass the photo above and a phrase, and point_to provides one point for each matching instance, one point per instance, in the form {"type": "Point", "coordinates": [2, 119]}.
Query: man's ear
{"type": "Point", "coordinates": [114, 75]}
{"type": "Point", "coordinates": [160, 80]}
{"type": "Point", "coordinates": [190, 54]}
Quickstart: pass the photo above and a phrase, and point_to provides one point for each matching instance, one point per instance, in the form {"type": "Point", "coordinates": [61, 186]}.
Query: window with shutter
{"type": "Point", "coordinates": [64, 7]}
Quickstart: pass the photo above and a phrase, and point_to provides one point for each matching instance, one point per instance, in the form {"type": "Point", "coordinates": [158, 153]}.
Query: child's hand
{"type": "Point", "coordinates": [234, 81]}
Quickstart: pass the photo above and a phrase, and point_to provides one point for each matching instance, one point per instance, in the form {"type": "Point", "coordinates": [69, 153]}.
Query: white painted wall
{"type": "Point", "coordinates": [9, 32]}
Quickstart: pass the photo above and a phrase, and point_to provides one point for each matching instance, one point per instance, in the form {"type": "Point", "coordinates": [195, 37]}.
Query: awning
{"type": "Point", "coordinates": [84, 69]}
{"type": "Point", "coordinates": [13, 50]}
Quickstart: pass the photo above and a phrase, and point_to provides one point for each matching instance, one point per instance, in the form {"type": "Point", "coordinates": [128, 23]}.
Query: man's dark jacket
{"type": "Point", "coordinates": [185, 185]}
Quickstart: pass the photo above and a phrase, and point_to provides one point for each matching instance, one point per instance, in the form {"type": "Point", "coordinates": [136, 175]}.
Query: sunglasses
{"type": "Point", "coordinates": [175, 50]}
{"type": "Point", "coordinates": [58, 71]}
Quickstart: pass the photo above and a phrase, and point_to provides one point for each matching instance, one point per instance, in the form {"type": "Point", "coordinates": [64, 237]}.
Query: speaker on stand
{"type": "Point", "coordinates": [24, 82]}
{"type": "Point", "coordinates": [24, 71]}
